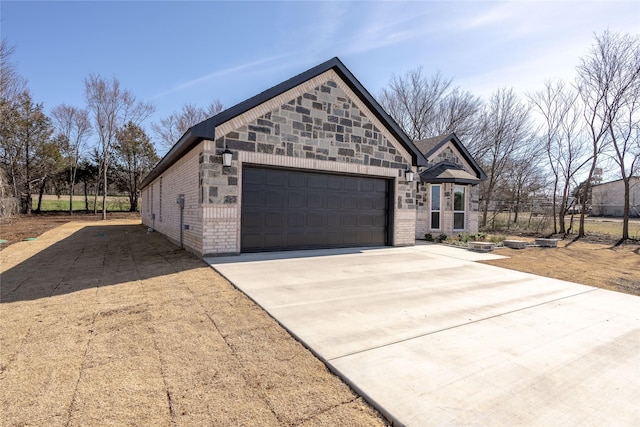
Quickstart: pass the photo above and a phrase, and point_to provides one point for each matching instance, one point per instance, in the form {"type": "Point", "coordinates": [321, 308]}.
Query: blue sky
{"type": "Point", "coordinates": [172, 53]}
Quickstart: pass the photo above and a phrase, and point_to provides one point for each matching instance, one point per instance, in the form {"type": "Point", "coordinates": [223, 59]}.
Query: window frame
{"type": "Point", "coordinates": [439, 210]}
{"type": "Point", "coordinates": [462, 211]}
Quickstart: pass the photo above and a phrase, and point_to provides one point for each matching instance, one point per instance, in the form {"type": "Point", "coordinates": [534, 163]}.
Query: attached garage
{"type": "Point", "coordinates": [292, 209]}
{"type": "Point", "coordinates": [313, 162]}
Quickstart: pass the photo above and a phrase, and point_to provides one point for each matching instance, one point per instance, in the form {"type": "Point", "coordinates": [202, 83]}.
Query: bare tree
{"type": "Point", "coordinates": [171, 128]}
{"type": "Point", "coordinates": [609, 80]}
{"type": "Point", "coordinates": [429, 106]}
{"type": "Point", "coordinates": [504, 128]}
{"type": "Point", "coordinates": [48, 163]}
{"type": "Point", "coordinates": [12, 86]}
{"type": "Point", "coordinates": [32, 130]}
{"type": "Point", "coordinates": [73, 128]}
{"type": "Point", "coordinates": [11, 83]}
{"type": "Point", "coordinates": [523, 178]}
{"type": "Point", "coordinates": [136, 156]}
{"type": "Point", "coordinates": [564, 143]}
{"type": "Point", "coordinates": [111, 107]}
{"type": "Point", "coordinates": [458, 112]}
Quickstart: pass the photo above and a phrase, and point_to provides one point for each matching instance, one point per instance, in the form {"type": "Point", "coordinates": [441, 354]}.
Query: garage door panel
{"type": "Point", "coordinates": [295, 239]}
{"type": "Point", "coordinates": [296, 179]}
{"type": "Point", "coordinates": [334, 238]}
{"type": "Point", "coordinates": [380, 186]}
{"type": "Point", "coordinates": [274, 240]}
{"type": "Point", "coordinates": [316, 219]}
{"type": "Point", "coordinates": [295, 219]}
{"type": "Point", "coordinates": [352, 184]}
{"type": "Point", "coordinates": [380, 203]}
{"type": "Point", "coordinates": [349, 219]}
{"type": "Point", "coordinates": [284, 209]}
{"type": "Point", "coordinates": [252, 198]}
{"type": "Point", "coordinates": [365, 220]}
{"type": "Point", "coordinates": [334, 221]}
{"type": "Point", "coordinates": [315, 200]}
{"type": "Point", "coordinates": [296, 199]}
{"type": "Point", "coordinates": [365, 202]}
{"type": "Point", "coordinates": [273, 199]}
{"type": "Point", "coordinates": [252, 220]}
{"type": "Point", "coordinates": [334, 201]}
{"type": "Point", "coordinates": [252, 240]}
{"type": "Point", "coordinates": [274, 220]}
{"type": "Point", "coordinates": [379, 222]}
{"type": "Point", "coordinates": [253, 176]}
{"type": "Point", "coordinates": [274, 180]}
{"type": "Point", "coordinates": [316, 181]}
{"type": "Point", "coordinates": [366, 185]}
{"type": "Point", "coordinates": [350, 202]}
{"type": "Point", "coordinates": [335, 182]}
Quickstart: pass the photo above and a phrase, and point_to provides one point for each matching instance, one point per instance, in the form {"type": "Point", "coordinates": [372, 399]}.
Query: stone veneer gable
{"type": "Point", "coordinates": [446, 154]}
{"type": "Point", "coordinates": [322, 123]}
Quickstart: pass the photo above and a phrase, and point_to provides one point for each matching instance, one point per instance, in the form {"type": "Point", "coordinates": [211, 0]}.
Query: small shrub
{"type": "Point", "coordinates": [497, 238]}
{"type": "Point", "coordinates": [442, 238]}
{"type": "Point", "coordinates": [464, 237]}
{"type": "Point", "coordinates": [480, 236]}
{"type": "Point", "coordinates": [428, 237]}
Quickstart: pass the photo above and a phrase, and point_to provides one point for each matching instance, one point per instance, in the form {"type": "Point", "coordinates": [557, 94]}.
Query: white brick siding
{"type": "Point", "coordinates": [180, 178]}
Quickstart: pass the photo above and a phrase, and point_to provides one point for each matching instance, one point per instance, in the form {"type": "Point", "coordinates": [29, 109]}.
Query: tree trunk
{"type": "Point", "coordinates": [86, 197]}
{"type": "Point", "coordinates": [555, 201]}
{"type": "Point", "coordinates": [40, 193]}
{"type": "Point", "coordinates": [104, 195]}
{"type": "Point", "coordinates": [134, 202]}
{"type": "Point", "coordinates": [563, 207]}
{"type": "Point", "coordinates": [71, 182]}
{"type": "Point", "coordinates": [585, 193]}
{"type": "Point", "coordinates": [28, 178]}
{"type": "Point", "coordinates": [625, 215]}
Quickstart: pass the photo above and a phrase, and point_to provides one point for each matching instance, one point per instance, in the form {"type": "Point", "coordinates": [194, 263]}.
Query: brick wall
{"type": "Point", "coordinates": [180, 178]}
{"type": "Point", "coordinates": [423, 215]}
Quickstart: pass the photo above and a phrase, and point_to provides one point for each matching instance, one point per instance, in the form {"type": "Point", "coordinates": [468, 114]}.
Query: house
{"type": "Point", "coordinates": [607, 199]}
{"type": "Point", "coordinates": [448, 194]}
{"type": "Point", "coordinates": [313, 162]}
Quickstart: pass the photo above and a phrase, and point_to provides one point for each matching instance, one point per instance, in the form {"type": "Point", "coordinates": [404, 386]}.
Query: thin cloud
{"type": "Point", "coordinates": [382, 31]}
{"type": "Point", "coordinates": [220, 73]}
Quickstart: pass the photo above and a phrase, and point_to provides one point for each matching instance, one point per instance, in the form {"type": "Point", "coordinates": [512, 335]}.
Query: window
{"type": "Point", "coordinates": [435, 207]}
{"type": "Point", "coordinates": [458, 207]}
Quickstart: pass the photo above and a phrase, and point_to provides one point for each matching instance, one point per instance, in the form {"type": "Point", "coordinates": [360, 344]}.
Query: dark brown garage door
{"type": "Point", "coordinates": [286, 209]}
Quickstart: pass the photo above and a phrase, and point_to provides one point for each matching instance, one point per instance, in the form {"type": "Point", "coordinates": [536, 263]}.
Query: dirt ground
{"type": "Point", "coordinates": [595, 260]}
{"type": "Point", "coordinates": [106, 324]}
{"type": "Point", "coordinates": [18, 228]}
{"type": "Point", "coordinates": [602, 263]}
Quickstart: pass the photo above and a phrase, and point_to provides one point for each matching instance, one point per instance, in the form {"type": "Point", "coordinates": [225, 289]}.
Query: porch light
{"type": "Point", "coordinates": [409, 175]}
{"type": "Point", "coordinates": [227, 155]}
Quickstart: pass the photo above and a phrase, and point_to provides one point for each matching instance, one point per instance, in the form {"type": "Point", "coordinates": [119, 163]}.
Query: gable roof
{"type": "Point", "coordinates": [206, 129]}
{"type": "Point", "coordinates": [430, 146]}
{"type": "Point", "coordinates": [448, 172]}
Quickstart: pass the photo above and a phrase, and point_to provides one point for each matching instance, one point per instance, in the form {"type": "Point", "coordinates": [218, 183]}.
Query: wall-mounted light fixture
{"type": "Point", "coordinates": [408, 175]}
{"type": "Point", "coordinates": [227, 155]}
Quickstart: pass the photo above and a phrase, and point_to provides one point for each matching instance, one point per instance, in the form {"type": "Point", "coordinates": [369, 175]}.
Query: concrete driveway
{"type": "Point", "coordinates": [431, 337]}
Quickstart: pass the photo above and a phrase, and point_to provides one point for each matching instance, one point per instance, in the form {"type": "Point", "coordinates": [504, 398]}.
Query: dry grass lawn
{"type": "Point", "coordinates": [604, 265]}
{"type": "Point", "coordinates": [104, 324]}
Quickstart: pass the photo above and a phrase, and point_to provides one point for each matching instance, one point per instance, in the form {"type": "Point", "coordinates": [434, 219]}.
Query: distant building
{"type": "Point", "coordinates": [608, 199]}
